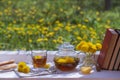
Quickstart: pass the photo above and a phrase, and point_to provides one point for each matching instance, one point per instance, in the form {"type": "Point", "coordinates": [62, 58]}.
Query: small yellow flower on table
{"type": "Point", "coordinates": [22, 67]}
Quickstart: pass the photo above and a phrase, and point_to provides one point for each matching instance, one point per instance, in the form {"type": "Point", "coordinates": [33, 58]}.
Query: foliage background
{"type": "Point", "coordinates": [45, 24]}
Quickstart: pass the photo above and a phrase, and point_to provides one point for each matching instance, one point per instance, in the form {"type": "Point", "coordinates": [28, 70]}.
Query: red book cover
{"type": "Point", "coordinates": [105, 47]}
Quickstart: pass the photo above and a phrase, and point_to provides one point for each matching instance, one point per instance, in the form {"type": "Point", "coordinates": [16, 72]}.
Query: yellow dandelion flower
{"type": "Point", "coordinates": [20, 69]}
{"type": "Point", "coordinates": [21, 64]}
{"type": "Point", "coordinates": [79, 38]}
{"type": "Point", "coordinates": [76, 33]}
{"type": "Point", "coordinates": [44, 32]}
{"type": "Point", "coordinates": [39, 40]}
{"type": "Point", "coordinates": [78, 47]}
{"type": "Point", "coordinates": [60, 38]}
{"type": "Point", "coordinates": [91, 29]}
{"type": "Point", "coordinates": [26, 69]}
{"type": "Point", "coordinates": [30, 40]}
{"type": "Point", "coordinates": [9, 35]}
{"type": "Point", "coordinates": [54, 15]}
{"type": "Point", "coordinates": [61, 9]}
{"type": "Point", "coordinates": [82, 42]}
{"type": "Point", "coordinates": [93, 33]}
{"type": "Point", "coordinates": [23, 48]}
{"type": "Point", "coordinates": [59, 41]}
{"type": "Point", "coordinates": [79, 25]}
{"type": "Point", "coordinates": [97, 13]}
{"type": "Point", "coordinates": [29, 32]}
{"type": "Point", "coordinates": [86, 20]}
{"type": "Point", "coordinates": [85, 37]}
{"type": "Point", "coordinates": [83, 27]}
{"type": "Point", "coordinates": [68, 28]}
{"type": "Point", "coordinates": [56, 28]}
{"type": "Point", "coordinates": [45, 29]}
{"type": "Point", "coordinates": [60, 25]}
{"type": "Point", "coordinates": [57, 22]}
{"type": "Point", "coordinates": [74, 42]}
{"type": "Point", "coordinates": [9, 2]}
{"type": "Point", "coordinates": [41, 20]}
{"type": "Point", "coordinates": [90, 44]}
{"type": "Point", "coordinates": [50, 34]}
{"type": "Point", "coordinates": [6, 10]}
{"type": "Point", "coordinates": [93, 49]}
{"type": "Point", "coordinates": [38, 27]}
{"type": "Point", "coordinates": [68, 24]}
{"type": "Point", "coordinates": [73, 27]}
{"type": "Point", "coordinates": [98, 19]}
{"type": "Point", "coordinates": [81, 12]}
{"type": "Point", "coordinates": [45, 39]}
{"type": "Point", "coordinates": [78, 8]}
{"type": "Point", "coordinates": [93, 36]}
{"type": "Point", "coordinates": [108, 21]}
{"type": "Point", "coordinates": [85, 48]}
{"type": "Point", "coordinates": [23, 33]}
{"type": "Point", "coordinates": [14, 21]}
{"type": "Point", "coordinates": [107, 26]}
{"type": "Point", "coordinates": [1, 13]}
{"type": "Point", "coordinates": [99, 46]}
{"type": "Point", "coordinates": [55, 41]}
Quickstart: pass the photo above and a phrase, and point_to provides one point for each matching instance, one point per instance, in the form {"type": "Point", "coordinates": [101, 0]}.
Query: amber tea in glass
{"type": "Point", "coordinates": [66, 63]}
{"type": "Point", "coordinates": [39, 58]}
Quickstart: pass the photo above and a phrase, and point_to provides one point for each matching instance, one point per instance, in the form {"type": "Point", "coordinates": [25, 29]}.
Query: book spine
{"type": "Point", "coordinates": [105, 46]}
{"type": "Point", "coordinates": [111, 49]}
{"type": "Point", "coordinates": [114, 56]}
{"type": "Point", "coordinates": [116, 64]}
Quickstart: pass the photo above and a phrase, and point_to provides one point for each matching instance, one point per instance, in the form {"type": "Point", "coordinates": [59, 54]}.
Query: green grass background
{"type": "Point", "coordinates": [45, 24]}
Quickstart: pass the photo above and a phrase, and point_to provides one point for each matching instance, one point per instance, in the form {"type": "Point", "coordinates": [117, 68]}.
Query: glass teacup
{"type": "Point", "coordinates": [39, 58]}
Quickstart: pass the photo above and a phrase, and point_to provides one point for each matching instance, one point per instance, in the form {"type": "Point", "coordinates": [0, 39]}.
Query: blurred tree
{"type": "Point", "coordinates": [107, 4]}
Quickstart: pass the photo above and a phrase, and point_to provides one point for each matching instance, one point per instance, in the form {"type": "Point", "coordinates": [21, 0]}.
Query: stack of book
{"type": "Point", "coordinates": [109, 57]}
